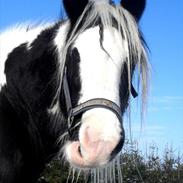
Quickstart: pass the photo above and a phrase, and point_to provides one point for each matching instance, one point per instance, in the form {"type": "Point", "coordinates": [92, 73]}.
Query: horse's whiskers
{"type": "Point", "coordinates": [111, 172]}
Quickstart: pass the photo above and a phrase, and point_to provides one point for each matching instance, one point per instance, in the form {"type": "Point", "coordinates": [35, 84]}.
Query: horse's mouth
{"type": "Point", "coordinates": [98, 154]}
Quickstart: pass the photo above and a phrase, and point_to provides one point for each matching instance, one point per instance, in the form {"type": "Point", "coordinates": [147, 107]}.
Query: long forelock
{"type": "Point", "coordinates": [104, 14]}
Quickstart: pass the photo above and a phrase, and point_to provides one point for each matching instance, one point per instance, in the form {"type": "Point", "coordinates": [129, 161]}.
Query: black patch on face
{"type": "Point", "coordinates": [73, 78]}
{"type": "Point", "coordinates": [72, 63]}
{"type": "Point", "coordinates": [74, 82]}
{"type": "Point", "coordinates": [123, 88]}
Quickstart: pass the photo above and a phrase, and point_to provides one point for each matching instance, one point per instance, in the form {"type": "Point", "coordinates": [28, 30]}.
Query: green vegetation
{"type": "Point", "coordinates": [136, 168]}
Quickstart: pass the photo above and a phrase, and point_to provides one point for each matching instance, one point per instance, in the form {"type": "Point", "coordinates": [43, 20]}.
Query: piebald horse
{"type": "Point", "coordinates": [64, 87]}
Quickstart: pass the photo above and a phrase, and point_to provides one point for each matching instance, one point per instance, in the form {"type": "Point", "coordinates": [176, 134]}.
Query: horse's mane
{"type": "Point", "coordinates": [106, 16]}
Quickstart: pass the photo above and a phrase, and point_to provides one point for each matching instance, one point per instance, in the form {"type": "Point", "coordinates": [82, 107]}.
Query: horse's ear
{"type": "Point", "coordinates": [135, 7]}
{"type": "Point", "coordinates": [74, 8]}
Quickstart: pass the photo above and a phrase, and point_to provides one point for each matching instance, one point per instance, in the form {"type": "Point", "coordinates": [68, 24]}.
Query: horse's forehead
{"type": "Point", "coordinates": [90, 35]}
{"type": "Point", "coordinates": [110, 41]}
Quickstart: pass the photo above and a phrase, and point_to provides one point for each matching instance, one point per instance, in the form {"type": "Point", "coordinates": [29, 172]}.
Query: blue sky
{"type": "Point", "coordinates": [163, 30]}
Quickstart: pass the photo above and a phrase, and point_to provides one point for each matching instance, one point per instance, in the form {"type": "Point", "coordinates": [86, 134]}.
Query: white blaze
{"type": "Point", "coordinates": [100, 72]}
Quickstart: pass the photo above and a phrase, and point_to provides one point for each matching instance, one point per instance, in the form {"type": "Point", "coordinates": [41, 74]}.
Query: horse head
{"type": "Point", "coordinates": [102, 49]}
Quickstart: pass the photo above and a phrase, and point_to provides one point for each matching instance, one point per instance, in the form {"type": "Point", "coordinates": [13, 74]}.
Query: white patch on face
{"type": "Point", "coordinates": [99, 73]}
{"type": "Point", "coordinates": [100, 131]}
{"type": "Point", "coordinates": [14, 37]}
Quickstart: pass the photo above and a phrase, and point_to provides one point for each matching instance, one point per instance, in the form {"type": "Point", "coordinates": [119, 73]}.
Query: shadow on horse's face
{"type": "Point", "coordinates": [94, 72]}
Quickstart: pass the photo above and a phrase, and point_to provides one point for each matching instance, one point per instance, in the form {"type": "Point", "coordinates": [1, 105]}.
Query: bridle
{"type": "Point", "coordinates": [90, 104]}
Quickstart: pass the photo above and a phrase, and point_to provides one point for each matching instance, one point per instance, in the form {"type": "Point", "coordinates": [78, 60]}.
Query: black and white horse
{"type": "Point", "coordinates": [65, 86]}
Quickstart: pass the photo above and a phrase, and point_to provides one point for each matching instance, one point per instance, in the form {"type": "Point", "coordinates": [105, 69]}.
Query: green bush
{"type": "Point", "coordinates": [135, 167]}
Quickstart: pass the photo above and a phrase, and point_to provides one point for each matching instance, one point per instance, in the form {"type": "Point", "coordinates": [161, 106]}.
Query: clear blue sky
{"type": "Point", "coordinates": [162, 25]}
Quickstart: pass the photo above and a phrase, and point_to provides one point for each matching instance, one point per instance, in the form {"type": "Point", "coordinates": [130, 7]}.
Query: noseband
{"type": "Point", "coordinates": [90, 104]}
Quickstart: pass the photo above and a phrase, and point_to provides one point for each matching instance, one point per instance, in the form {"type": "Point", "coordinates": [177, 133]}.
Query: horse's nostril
{"type": "Point", "coordinates": [79, 150]}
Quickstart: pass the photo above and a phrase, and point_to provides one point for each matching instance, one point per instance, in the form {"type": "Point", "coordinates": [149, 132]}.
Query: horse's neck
{"type": "Point", "coordinates": [14, 37]}
{"type": "Point", "coordinates": [17, 36]}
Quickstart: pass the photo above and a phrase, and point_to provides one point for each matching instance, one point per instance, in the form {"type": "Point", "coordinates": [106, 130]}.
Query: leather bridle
{"type": "Point", "coordinates": [90, 104]}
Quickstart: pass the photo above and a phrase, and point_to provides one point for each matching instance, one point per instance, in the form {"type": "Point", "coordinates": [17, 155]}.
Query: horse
{"type": "Point", "coordinates": [65, 86]}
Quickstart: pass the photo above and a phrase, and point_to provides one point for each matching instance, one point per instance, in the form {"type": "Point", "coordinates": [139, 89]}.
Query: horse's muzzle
{"type": "Point", "coordinates": [99, 140]}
